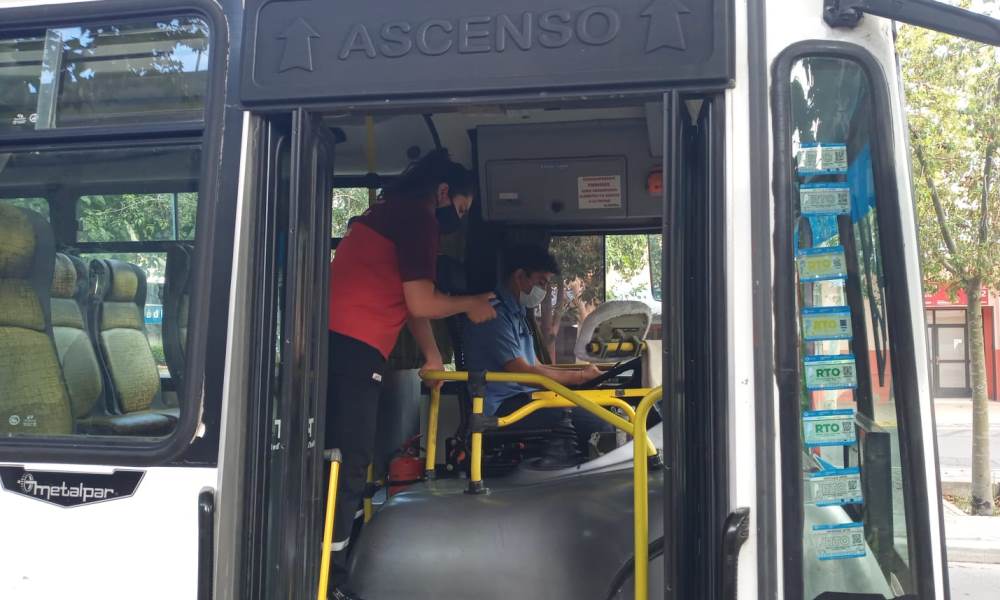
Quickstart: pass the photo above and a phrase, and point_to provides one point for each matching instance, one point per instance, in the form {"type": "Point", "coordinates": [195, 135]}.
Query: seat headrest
{"type": "Point", "coordinates": [118, 280]}
{"type": "Point", "coordinates": [613, 321]}
{"type": "Point", "coordinates": [65, 279]}
{"type": "Point", "coordinates": [18, 242]}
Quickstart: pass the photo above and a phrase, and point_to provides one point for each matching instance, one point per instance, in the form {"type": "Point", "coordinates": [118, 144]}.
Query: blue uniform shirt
{"type": "Point", "coordinates": [491, 345]}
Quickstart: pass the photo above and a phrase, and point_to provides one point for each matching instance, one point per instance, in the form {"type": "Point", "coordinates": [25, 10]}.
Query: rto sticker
{"type": "Point", "coordinates": [837, 541]}
{"type": "Point", "coordinates": [821, 264]}
{"type": "Point", "coordinates": [835, 487]}
{"type": "Point", "coordinates": [825, 199]}
{"type": "Point", "coordinates": [828, 428]}
{"type": "Point", "coordinates": [837, 372]}
{"type": "Point", "coordinates": [826, 323]}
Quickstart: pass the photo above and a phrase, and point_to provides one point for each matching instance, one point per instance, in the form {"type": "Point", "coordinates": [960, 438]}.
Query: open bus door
{"type": "Point", "coordinates": [288, 366]}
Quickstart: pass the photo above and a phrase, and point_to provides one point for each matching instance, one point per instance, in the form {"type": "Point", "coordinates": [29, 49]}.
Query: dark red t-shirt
{"type": "Point", "coordinates": [392, 242]}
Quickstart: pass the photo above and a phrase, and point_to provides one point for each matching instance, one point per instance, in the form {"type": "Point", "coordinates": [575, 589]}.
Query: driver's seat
{"type": "Point", "coordinates": [451, 280]}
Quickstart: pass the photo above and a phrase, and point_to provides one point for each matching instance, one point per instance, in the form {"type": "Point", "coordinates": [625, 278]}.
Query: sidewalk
{"type": "Point", "coordinates": [969, 539]}
{"type": "Point", "coordinates": [957, 412]}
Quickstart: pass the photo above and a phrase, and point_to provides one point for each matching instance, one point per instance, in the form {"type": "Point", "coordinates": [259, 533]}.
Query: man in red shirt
{"type": "Point", "coordinates": [382, 278]}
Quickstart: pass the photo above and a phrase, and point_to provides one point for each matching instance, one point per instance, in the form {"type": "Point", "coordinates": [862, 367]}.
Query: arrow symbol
{"type": "Point", "coordinates": [665, 29]}
{"type": "Point", "coordinates": [298, 46]}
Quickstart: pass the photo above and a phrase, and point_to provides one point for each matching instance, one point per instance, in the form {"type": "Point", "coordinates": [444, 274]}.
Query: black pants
{"type": "Point", "coordinates": [355, 372]}
{"type": "Point", "coordinates": [585, 423]}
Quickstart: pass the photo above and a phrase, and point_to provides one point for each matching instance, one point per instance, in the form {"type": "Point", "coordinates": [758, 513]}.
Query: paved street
{"type": "Point", "coordinates": [971, 580]}
{"type": "Point", "coordinates": [954, 429]}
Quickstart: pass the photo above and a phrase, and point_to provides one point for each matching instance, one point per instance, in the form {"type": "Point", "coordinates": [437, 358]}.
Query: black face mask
{"type": "Point", "coordinates": [447, 218]}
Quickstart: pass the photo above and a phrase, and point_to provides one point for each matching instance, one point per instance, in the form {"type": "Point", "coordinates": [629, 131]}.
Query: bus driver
{"type": "Point", "coordinates": [382, 277]}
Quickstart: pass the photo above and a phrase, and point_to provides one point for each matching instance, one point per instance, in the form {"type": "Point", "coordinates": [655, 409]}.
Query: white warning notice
{"type": "Point", "coordinates": [599, 191]}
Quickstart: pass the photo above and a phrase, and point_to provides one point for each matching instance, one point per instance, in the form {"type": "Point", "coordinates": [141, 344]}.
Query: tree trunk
{"type": "Point", "coordinates": [982, 483]}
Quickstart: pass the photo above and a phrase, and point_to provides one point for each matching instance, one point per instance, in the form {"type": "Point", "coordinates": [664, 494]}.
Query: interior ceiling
{"type": "Point", "coordinates": [396, 133]}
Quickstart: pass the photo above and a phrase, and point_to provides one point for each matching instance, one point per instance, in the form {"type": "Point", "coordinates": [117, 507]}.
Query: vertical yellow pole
{"type": "Point", "coordinates": [476, 476]}
{"type": "Point", "coordinates": [432, 431]}
{"type": "Point", "coordinates": [367, 502]}
{"type": "Point", "coordinates": [331, 507]}
{"type": "Point", "coordinates": [640, 498]}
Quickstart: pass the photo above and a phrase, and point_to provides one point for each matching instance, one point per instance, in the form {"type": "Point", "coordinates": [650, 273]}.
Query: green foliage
{"type": "Point", "coordinates": [953, 92]}
{"type": "Point", "coordinates": [38, 205]}
{"type": "Point", "coordinates": [137, 217]}
{"type": "Point", "coordinates": [626, 254]}
{"type": "Point", "coordinates": [347, 203]}
{"type": "Point", "coordinates": [655, 245]}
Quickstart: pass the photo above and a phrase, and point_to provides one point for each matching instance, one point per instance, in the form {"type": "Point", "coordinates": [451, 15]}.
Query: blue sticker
{"type": "Point", "coordinates": [838, 541]}
{"type": "Point", "coordinates": [836, 372]}
{"type": "Point", "coordinates": [828, 428]}
{"type": "Point", "coordinates": [835, 487]}
{"type": "Point", "coordinates": [826, 323]}
{"type": "Point", "coordinates": [822, 159]}
{"type": "Point", "coordinates": [825, 199]}
{"type": "Point", "coordinates": [821, 264]}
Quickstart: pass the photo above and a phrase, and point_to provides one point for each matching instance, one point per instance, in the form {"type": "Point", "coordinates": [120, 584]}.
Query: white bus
{"type": "Point", "coordinates": [175, 174]}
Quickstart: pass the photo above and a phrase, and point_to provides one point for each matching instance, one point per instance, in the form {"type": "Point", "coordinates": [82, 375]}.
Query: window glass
{"type": "Point", "coordinates": [154, 265]}
{"type": "Point", "coordinates": [38, 205]}
{"type": "Point", "coordinates": [134, 72]}
{"type": "Point", "coordinates": [347, 203]}
{"type": "Point", "coordinates": [137, 217]}
{"type": "Point", "coordinates": [118, 330]}
{"type": "Point", "coordinates": [855, 532]}
{"type": "Point", "coordinates": [596, 269]}
{"type": "Point", "coordinates": [949, 317]}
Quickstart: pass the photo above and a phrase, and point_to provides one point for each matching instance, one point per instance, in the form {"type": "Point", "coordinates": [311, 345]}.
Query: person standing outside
{"type": "Point", "coordinates": [382, 278]}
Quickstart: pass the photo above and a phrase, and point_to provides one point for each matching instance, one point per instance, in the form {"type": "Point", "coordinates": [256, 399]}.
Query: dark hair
{"type": "Point", "coordinates": [531, 258]}
{"type": "Point", "coordinates": [422, 178]}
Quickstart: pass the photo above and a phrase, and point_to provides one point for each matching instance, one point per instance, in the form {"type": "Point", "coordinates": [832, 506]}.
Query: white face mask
{"type": "Point", "coordinates": [533, 298]}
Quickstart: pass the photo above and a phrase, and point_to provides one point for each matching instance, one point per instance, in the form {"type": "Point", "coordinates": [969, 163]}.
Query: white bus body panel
{"type": "Point", "coordinates": [144, 546]}
{"type": "Point", "coordinates": [742, 408]}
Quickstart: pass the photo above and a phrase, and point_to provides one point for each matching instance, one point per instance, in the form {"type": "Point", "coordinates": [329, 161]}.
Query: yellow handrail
{"type": "Point", "coordinates": [432, 431]}
{"type": "Point", "coordinates": [331, 508]}
{"type": "Point", "coordinates": [542, 382]}
{"type": "Point", "coordinates": [542, 403]}
{"type": "Point", "coordinates": [578, 399]}
{"type": "Point", "coordinates": [640, 455]}
{"type": "Point", "coordinates": [640, 497]}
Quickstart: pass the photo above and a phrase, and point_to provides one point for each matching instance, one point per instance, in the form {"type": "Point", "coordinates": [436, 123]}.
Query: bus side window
{"type": "Point", "coordinates": [96, 215]}
{"type": "Point", "coordinates": [853, 477]}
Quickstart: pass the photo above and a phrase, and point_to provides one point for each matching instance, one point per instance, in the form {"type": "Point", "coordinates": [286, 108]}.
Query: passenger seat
{"type": "Point", "coordinates": [33, 398]}
{"type": "Point", "coordinates": [120, 332]}
{"type": "Point", "coordinates": [176, 304]}
{"type": "Point", "coordinates": [80, 368]}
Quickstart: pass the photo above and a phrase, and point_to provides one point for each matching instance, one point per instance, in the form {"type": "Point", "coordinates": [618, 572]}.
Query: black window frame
{"type": "Point", "coordinates": [77, 449]}
{"type": "Point", "coordinates": [899, 316]}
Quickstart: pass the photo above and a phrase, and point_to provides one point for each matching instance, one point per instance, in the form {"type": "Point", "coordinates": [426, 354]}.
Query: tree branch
{"type": "Point", "coordinates": [935, 198]}
{"type": "Point", "coordinates": [984, 201]}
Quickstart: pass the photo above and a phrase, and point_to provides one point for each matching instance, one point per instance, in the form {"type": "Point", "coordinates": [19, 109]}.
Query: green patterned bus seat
{"type": "Point", "coordinates": [33, 397]}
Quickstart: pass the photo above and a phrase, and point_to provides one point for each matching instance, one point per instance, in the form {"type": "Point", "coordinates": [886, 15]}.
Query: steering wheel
{"type": "Point", "coordinates": [611, 373]}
